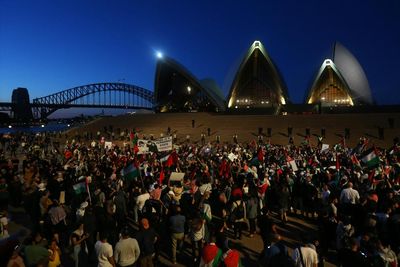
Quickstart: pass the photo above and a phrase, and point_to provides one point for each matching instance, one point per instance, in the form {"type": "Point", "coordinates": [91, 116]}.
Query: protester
{"type": "Point", "coordinates": [146, 237]}
{"type": "Point", "coordinates": [55, 254]}
{"type": "Point", "coordinates": [16, 260]}
{"type": "Point", "coordinates": [238, 215]}
{"type": "Point", "coordinates": [211, 255]}
{"type": "Point", "coordinates": [36, 252]}
{"type": "Point", "coordinates": [177, 228]}
{"type": "Point", "coordinates": [225, 186]}
{"type": "Point", "coordinates": [104, 252]}
{"type": "Point", "coordinates": [127, 250]}
{"type": "Point", "coordinates": [80, 249]}
{"type": "Point", "coordinates": [306, 256]}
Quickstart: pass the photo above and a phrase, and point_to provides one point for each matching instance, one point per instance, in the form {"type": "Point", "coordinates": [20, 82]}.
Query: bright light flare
{"type": "Point", "coordinates": [159, 54]}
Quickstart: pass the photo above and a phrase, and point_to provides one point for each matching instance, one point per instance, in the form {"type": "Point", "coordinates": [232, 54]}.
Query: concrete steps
{"type": "Point", "coordinates": [246, 126]}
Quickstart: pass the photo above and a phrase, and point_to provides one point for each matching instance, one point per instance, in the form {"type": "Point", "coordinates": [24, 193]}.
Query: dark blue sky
{"type": "Point", "coordinates": [48, 46]}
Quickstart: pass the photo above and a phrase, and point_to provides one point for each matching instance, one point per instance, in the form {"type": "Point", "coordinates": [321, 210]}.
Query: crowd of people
{"type": "Point", "coordinates": [91, 205]}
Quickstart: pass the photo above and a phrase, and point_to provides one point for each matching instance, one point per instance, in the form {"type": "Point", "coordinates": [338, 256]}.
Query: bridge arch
{"type": "Point", "coordinates": [44, 106]}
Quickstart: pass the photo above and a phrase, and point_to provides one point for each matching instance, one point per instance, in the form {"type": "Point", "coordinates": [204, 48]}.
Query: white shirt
{"type": "Point", "coordinates": [3, 226]}
{"type": "Point", "coordinates": [141, 200]}
{"type": "Point", "coordinates": [310, 257]}
{"type": "Point", "coordinates": [126, 252]}
{"type": "Point", "coordinates": [349, 196]}
{"type": "Point", "coordinates": [103, 252]}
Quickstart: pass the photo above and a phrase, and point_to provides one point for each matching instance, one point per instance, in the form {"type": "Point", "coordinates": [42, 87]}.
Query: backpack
{"type": "Point", "coordinates": [152, 209]}
{"type": "Point", "coordinates": [280, 259]}
{"type": "Point", "coordinates": [238, 212]}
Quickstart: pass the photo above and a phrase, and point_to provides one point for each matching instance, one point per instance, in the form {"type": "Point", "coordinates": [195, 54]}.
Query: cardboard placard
{"type": "Point", "coordinates": [177, 176]}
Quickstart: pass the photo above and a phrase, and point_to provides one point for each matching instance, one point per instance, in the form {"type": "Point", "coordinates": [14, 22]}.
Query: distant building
{"type": "Point", "coordinates": [177, 90]}
{"type": "Point", "coordinates": [340, 82]}
{"type": "Point", "coordinates": [258, 83]}
{"type": "Point", "coordinates": [21, 110]}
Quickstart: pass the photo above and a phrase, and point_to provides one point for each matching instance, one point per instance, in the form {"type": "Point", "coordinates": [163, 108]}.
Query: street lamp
{"type": "Point", "coordinates": [189, 89]}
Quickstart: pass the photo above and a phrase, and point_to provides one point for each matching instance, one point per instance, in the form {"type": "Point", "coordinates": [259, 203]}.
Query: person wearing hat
{"type": "Point", "coordinates": [127, 250]}
{"type": "Point", "coordinates": [147, 238]}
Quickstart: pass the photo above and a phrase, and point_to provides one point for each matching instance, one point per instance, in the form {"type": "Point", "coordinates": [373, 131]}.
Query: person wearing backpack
{"type": "Point", "coordinates": [276, 254]}
{"type": "Point", "coordinates": [305, 256]}
{"type": "Point", "coordinates": [238, 216]}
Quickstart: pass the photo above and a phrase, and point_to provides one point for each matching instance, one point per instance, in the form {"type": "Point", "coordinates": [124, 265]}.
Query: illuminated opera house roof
{"type": "Point", "coordinates": [340, 82]}
{"type": "Point", "coordinates": [258, 83]}
{"type": "Point", "coordinates": [178, 90]}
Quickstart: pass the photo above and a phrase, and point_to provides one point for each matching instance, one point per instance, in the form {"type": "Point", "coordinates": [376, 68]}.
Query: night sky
{"type": "Point", "coordinates": [49, 46]}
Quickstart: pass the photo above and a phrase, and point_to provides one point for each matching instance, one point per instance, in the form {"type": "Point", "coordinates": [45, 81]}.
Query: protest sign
{"type": "Point", "coordinates": [159, 145]}
{"type": "Point", "coordinates": [107, 145]}
{"type": "Point", "coordinates": [324, 148]}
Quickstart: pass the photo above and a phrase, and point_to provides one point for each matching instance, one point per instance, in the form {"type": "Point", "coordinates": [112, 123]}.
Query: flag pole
{"type": "Point", "coordinates": [140, 175]}
{"type": "Point", "coordinates": [88, 191]}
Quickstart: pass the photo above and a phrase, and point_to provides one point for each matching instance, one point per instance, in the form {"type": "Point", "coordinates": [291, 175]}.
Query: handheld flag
{"type": "Point", "coordinates": [129, 173]}
{"type": "Point", "coordinates": [172, 159]}
{"type": "Point", "coordinates": [79, 188]}
{"type": "Point", "coordinates": [355, 160]}
{"type": "Point", "coordinates": [371, 160]}
{"type": "Point", "coordinates": [162, 176]}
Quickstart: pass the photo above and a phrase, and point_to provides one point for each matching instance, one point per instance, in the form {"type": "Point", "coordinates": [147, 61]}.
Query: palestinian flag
{"type": "Point", "coordinates": [337, 161]}
{"type": "Point", "coordinates": [211, 255]}
{"type": "Point", "coordinates": [231, 258]}
{"type": "Point", "coordinates": [260, 154]}
{"type": "Point", "coordinates": [255, 162]}
{"type": "Point", "coordinates": [130, 172]}
{"type": "Point", "coordinates": [355, 160]}
{"type": "Point", "coordinates": [172, 159]}
{"type": "Point", "coordinates": [164, 159]}
{"type": "Point", "coordinates": [134, 139]}
{"type": "Point", "coordinates": [79, 188]}
{"type": "Point", "coordinates": [371, 160]}
{"type": "Point", "coordinates": [162, 177]}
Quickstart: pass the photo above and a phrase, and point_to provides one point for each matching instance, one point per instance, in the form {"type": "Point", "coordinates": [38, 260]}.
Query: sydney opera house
{"type": "Point", "coordinates": [340, 81]}
{"type": "Point", "coordinates": [178, 90]}
{"type": "Point", "coordinates": [258, 85]}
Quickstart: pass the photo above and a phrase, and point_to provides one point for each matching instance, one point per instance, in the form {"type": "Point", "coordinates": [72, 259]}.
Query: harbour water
{"type": "Point", "coordinates": [37, 128]}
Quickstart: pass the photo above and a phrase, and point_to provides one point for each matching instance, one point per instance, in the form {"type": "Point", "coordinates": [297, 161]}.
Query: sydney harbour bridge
{"type": "Point", "coordinates": [98, 95]}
